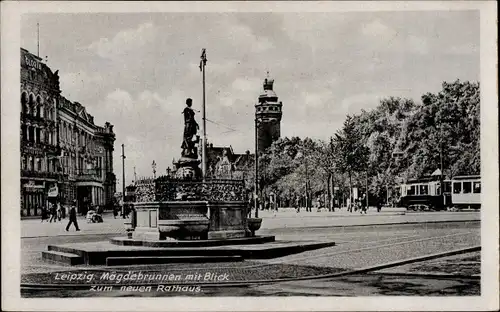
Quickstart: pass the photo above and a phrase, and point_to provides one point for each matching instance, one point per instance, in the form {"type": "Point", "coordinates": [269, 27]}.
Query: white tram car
{"type": "Point", "coordinates": [426, 193]}
{"type": "Point", "coordinates": [466, 192]}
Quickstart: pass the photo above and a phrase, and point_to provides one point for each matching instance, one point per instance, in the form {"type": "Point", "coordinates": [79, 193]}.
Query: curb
{"type": "Point", "coordinates": [291, 227]}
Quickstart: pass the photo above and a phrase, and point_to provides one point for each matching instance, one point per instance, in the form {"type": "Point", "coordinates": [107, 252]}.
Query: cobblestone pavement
{"type": "Point", "coordinates": [285, 218]}
{"type": "Point", "coordinates": [384, 244]}
{"type": "Point", "coordinates": [357, 248]}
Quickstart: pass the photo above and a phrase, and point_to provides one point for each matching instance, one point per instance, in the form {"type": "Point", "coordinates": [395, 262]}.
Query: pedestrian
{"type": "Point", "coordinates": [379, 205]}
{"type": "Point", "coordinates": [44, 213]}
{"type": "Point", "coordinates": [115, 212]}
{"type": "Point", "coordinates": [72, 217]}
{"type": "Point", "coordinates": [59, 211]}
{"type": "Point", "coordinates": [53, 213]}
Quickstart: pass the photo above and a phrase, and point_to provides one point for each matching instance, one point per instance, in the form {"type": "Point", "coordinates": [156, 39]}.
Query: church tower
{"type": "Point", "coordinates": [268, 112]}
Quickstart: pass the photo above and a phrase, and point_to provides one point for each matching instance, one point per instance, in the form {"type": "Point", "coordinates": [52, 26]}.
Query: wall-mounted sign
{"type": "Point", "coordinates": [32, 63]}
{"type": "Point", "coordinates": [53, 191]}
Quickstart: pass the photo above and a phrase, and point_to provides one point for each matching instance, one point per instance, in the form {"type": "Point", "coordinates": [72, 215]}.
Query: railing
{"type": "Point", "coordinates": [168, 189]}
{"type": "Point", "coordinates": [88, 175]}
{"type": "Point", "coordinates": [49, 148]}
{"type": "Point", "coordinates": [40, 174]}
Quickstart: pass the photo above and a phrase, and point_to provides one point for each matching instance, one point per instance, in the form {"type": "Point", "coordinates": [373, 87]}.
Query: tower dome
{"type": "Point", "coordinates": [268, 92]}
{"type": "Point", "coordinates": [268, 83]}
{"type": "Point", "coordinates": [268, 111]}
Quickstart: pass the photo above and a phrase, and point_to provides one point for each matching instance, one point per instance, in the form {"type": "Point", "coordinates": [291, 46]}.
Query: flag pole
{"type": "Point", "coordinates": [38, 39]}
{"type": "Point", "coordinates": [203, 63]}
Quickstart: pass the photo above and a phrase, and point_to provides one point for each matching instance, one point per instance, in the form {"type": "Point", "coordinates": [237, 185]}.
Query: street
{"type": "Point", "coordinates": [361, 241]}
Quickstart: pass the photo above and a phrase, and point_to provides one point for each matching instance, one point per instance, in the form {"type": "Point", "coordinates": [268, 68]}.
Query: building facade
{"type": "Point", "coordinates": [224, 163]}
{"type": "Point", "coordinates": [86, 157]}
{"type": "Point", "coordinates": [39, 149]}
{"type": "Point", "coordinates": [64, 155]}
{"type": "Point", "coordinates": [268, 113]}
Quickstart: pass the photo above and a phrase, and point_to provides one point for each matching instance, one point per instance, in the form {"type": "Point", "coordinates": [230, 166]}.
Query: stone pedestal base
{"type": "Point", "coordinates": [149, 234]}
{"type": "Point", "coordinates": [225, 234]}
{"type": "Point", "coordinates": [227, 220]}
{"type": "Point", "coordinates": [188, 220]}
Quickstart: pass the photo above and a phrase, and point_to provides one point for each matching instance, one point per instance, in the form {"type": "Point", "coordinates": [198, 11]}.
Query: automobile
{"type": "Point", "coordinates": [93, 217]}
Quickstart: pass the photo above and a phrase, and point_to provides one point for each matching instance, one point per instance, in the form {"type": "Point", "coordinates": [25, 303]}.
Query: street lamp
{"type": "Point", "coordinates": [256, 169]}
{"type": "Point", "coordinates": [168, 172]}
{"type": "Point", "coordinates": [153, 165]}
{"type": "Point", "coordinates": [123, 181]}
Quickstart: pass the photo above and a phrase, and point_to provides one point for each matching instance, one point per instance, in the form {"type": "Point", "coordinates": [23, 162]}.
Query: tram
{"type": "Point", "coordinates": [426, 193]}
{"type": "Point", "coordinates": [466, 192]}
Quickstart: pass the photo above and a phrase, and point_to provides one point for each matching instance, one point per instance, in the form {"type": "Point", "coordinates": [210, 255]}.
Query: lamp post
{"type": "Point", "coordinates": [123, 181]}
{"type": "Point", "coordinates": [441, 176]}
{"type": "Point", "coordinates": [168, 172]}
{"type": "Point", "coordinates": [153, 165]}
{"type": "Point", "coordinates": [256, 169]}
{"type": "Point", "coordinates": [203, 63]}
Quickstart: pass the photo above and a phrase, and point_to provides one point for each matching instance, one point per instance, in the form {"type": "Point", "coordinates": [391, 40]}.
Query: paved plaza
{"type": "Point", "coordinates": [356, 247]}
{"type": "Point", "coordinates": [284, 218]}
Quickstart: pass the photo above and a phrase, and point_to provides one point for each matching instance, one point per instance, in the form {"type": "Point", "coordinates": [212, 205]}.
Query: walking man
{"type": "Point", "coordinates": [72, 217]}
{"type": "Point", "coordinates": [53, 213]}
{"type": "Point", "coordinates": [59, 211]}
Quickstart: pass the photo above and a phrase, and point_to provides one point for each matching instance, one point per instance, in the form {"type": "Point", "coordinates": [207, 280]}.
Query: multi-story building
{"type": "Point", "coordinates": [39, 150]}
{"type": "Point", "coordinates": [86, 158]}
{"type": "Point", "coordinates": [224, 163]}
{"type": "Point", "coordinates": [268, 113]}
{"type": "Point", "coordinates": [64, 155]}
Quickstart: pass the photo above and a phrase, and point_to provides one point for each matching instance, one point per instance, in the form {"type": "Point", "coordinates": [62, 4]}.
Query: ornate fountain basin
{"type": "Point", "coordinates": [187, 220]}
{"type": "Point", "coordinates": [184, 229]}
{"type": "Point", "coordinates": [254, 224]}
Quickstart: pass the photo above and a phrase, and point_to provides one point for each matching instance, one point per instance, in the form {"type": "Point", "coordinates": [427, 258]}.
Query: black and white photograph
{"type": "Point", "coordinates": [250, 151]}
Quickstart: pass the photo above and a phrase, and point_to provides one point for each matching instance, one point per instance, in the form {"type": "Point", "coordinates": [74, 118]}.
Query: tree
{"type": "Point", "coordinates": [352, 152]}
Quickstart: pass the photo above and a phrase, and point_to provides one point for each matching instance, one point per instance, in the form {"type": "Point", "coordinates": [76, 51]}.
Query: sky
{"type": "Point", "coordinates": [135, 70]}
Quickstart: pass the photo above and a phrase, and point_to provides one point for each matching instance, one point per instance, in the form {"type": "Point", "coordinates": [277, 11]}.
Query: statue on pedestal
{"type": "Point", "coordinates": [187, 166]}
{"type": "Point", "coordinates": [188, 146]}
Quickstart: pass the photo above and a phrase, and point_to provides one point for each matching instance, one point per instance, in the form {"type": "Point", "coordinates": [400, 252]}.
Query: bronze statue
{"type": "Point", "coordinates": [190, 128]}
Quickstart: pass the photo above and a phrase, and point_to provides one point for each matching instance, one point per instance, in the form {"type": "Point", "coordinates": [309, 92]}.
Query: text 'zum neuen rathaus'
{"type": "Point", "coordinates": [64, 155]}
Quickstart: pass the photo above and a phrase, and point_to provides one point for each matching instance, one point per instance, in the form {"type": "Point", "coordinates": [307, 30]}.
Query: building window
{"type": "Point", "coordinates": [38, 164]}
{"type": "Point", "coordinates": [467, 187]}
{"type": "Point", "coordinates": [38, 106]}
{"type": "Point", "coordinates": [477, 188]}
{"type": "Point", "coordinates": [24, 130]}
{"type": "Point", "coordinates": [31, 104]}
{"type": "Point", "coordinates": [37, 135]}
{"type": "Point", "coordinates": [31, 134]}
{"type": "Point", "coordinates": [457, 187]}
{"type": "Point", "coordinates": [24, 102]}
